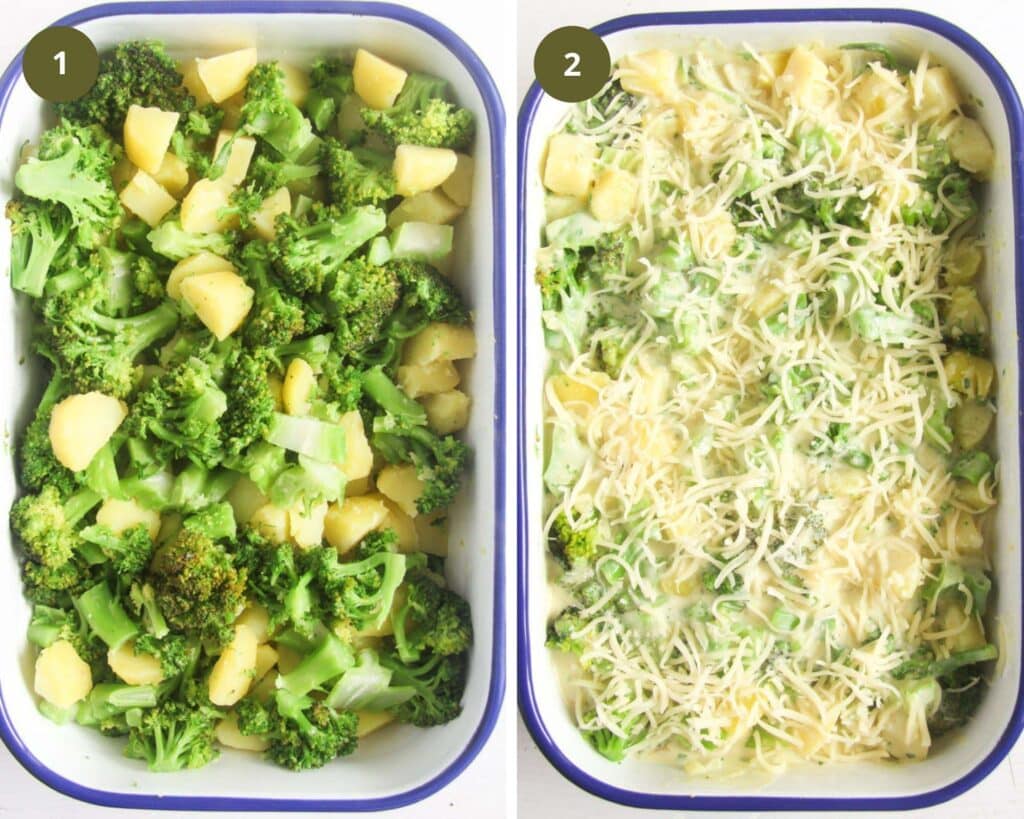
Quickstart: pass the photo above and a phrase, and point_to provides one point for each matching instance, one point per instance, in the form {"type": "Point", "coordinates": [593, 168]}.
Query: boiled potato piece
{"type": "Point", "coordinates": [306, 526]}
{"type": "Point", "coordinates": [649, 72]}
{"type": "Point", "coordinates": [881, 95]}
{"type": "Point", "coordinates": [232, 674]}
{"type": "Point", "coordinates": [403, 525]}
{"type": "Point", "coordinates": [81, 425]}
{"type": "Point", "coordinates": [229, 736]}
{"type": "Point", "coordinates": [221, 300]}
{"type": "Point", "coordinates": [447, 412]}
{"type": "Point", "coordinates": [256, 618]}
{"type": "Point", "coordinates": [190, 79]}
{"type": "Point", "coordinates": [376, 81]}
{"type": "Point", "coordinates": [298, 388]}
{"type": "Point", "coordinates": [440, 342]}
{"type": "Point", "coordinates": [266, 659]}
{"type": "Point", "coordinates": [804, 79]}
{"type": "Point", "coordinates": [62, 678]}
{"type": "Point", "coordinates": [172, 174]}
{"type": "Point", "coordinates": [349, 521]}
{"type": "Point", "coordinates": [245, 498]}
{"type": "Point", "coordinates": [400, 484]}
{"type": "Point", "coordinates": [939, 94]}
{"type": "Point", "coordinates": [971, 421]}
{"type": "Point", "coordinates": [201, 207]}
{"type": "Point", "coordinates": [147, 136]}
{"type": "Point", "coordinates": [242, 150]}
{"type": "Point", "coordinates": [557, 206]}
{"type": "Point", "coordinates": [232, 108]}
{"type": "Point", "coordinates": [370, 721]}
{"type": "Point", "coordinates": [276, 386]}
{"type": "Point", "coordinates": [432, 207]}
{"type": "Point", "coordinates": [358, 455]}
{"type": "Point", "coordinates": [970, 146]}
{"type": "Point", "coordinates": [271, 522]}
{"type": "Point", "coordinates": [432, 531]}
{"type": "Point", "coordinates": [614, 196]}
{"type": "Point", "coordinates": [296, 83]}
{"type": "Point", "coordinates": [264, 221]}
{"type": "Point", "coordinates": [459, 186]}
{"type": "Point", "coordinates": [359, 486]}
{"type": "Point", "coordinates": [569, 168]}
{"type": "Point", "coordinates": [968, 374]}
{"type": "Point", "coordinates": [201, 262]}
{"type": "Point", "coordinates": [146, 198]}
{"type": "Point", "coordinates": [226, 74]}
{"type": "Point", "coordinates": [427, 379]}
{"type": "Point", "coordinates": [134, 669]}
{"type": "Point", "coordinates": [418, 168]}
{"type": "Point", "coordinates": [119, 515]}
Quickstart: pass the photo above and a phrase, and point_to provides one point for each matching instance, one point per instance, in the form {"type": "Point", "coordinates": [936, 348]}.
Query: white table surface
{"type": "Point", "coordinates": [542, 792]}
{"type": "Point", "coordinates": [485, 788]}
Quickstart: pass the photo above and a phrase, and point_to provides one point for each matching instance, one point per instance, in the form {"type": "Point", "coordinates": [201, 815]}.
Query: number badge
{"type": "Point", "coordinates": [572, 64]}
{"type": "Point", "coordinates": [60, 64]}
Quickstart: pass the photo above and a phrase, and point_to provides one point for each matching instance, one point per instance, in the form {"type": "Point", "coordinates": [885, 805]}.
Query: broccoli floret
{"type": "Point", "coordinates": [72, 168]}
{"type": "Point", "coordinates": [253, 717]}
{"type": "Point", "coordinates": [307, 253]}
{"type": "Point", "coordinates": [962, 691]}
{"type": "Point", "coordinates": [110, 706]}
{"type": "Point", "coordinates": [39, 467]}
{"type": "Point", "coordinates": [277, 582]}
{"type": "Point", "coordinates": [174, 737]}
{"type": "Point", "coordinates": [359, 302]}
{"type": "Point", "coordinates": [46, 524]}
{"type": "Point", "coordinates": [128, 551]}
{"type": "Point", "coordinates": [269, 114]}
{"type": "Point", "coordinates": [171, 240]}
{"type": "Point", "coordinates": [431, 618]}
{"type": "Point", "coordinates": [49, 624]}
{"type": "Point", "coordinates": [136, 72]}
{"type": "Point", "coordinates": [39, 231]}
{"type": "Point", "coordinates": [197, 586]}
{"type": "Point", "coordinates": [382, 540]}
{"type": "Point", "coordinates": [343, 383]}
{"type": "Point", "coordinates": [277, 316]}
{"type": "Point", "coordinates": [193, 139]}
{"type": "Point", "coordinates": [94, 350]}
{"type": "Point", "coordinates": [401, 435]}
{"type": "Point", "coordinates": [563, 629]}
{"type": "Point", "coordinates": [56, 586]}
{"type": "Point", "coordinates": [175, 652]}
{"type": "Point", "coordinates": [250, 401]}
{"type": "Point", "coordinates": [330, 84]}
{"type": "Point", "coordinates": [572, 545]}
{"type": "Point", "coordinates": [304, 733]}
{"type": "Point", "coordinates": [327, 660]}
{"type": "Point", "coordinates": [439, 682]}
{"type": "Point", "coordinates": [362, 591]}
{"type": "Point", "coordinates": [356, 176]}
{"type": "Point", "coordinates": [147, 284]}
{"type": "Point", "coordinates": [422, 115]}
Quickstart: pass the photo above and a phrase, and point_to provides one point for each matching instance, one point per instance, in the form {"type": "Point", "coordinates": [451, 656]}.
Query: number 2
{"type": "Point", "coordinates": [60, 57]}
{"type": "Point", "coordinates": [573, 68]}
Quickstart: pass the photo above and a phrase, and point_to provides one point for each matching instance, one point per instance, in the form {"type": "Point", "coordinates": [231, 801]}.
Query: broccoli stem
{"type": "Point", "coordinates": [329, 659]}
{"type": "Point", "coordinates": [384, 391]}
{"type": "Point", "coordinates": [105, 616]}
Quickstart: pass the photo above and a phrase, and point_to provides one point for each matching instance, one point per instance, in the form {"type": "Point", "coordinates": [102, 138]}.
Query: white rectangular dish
{"type": "Point", "coordinates": [399, 765]}
{"type": "Point", "coordinates": [957, 762]}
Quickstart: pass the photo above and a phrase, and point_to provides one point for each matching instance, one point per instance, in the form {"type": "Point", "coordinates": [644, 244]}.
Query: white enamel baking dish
{"type": "Point", "coordinates": [399, 764]}
{"type": "Point", "coordinates": [956, 763]}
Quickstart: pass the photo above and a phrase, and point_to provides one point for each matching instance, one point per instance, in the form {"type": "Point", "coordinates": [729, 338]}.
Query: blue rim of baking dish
{"type": "Point", "coordinates": [527, 701]}
{"type": "Point", "coordinates": [496, 689]}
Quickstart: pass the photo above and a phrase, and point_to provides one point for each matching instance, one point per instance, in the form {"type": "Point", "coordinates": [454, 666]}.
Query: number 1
{"type": "Point", "coordinates": [573, 68]}
{"type": "Point", "coordinates": [60, 57]}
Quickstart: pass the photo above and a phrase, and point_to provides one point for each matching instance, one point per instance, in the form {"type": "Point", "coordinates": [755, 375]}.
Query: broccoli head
{"type": "Point", "coordinates": [277, 316]}
{"type": "Point", "coordinates": [439, 682]}
{"type": "Point", "coordinates": [572, 545]}
{"type": "Point", "coordinates": [305, 733]}
{"type": "Point", "coordinates": [362, 591]}
{"type": "Point", "coordinates": [431, 618]}
{"type": "Point", "coordinates": [39, 231]}
{"type": "Point", "coordinates": [563, 629]}
{"type": "Point", "coordinates": [330, 84]}
{"type": "Point", "coordinates": [250, 402]}
{"type": "Point", "coordinates": [128, 551]}
{"type": "Point", "coordinates": [359, 302]}
{"type": "Point", "coordinates": [422, 115]}
{"type": "Point", "coordinates": [270, 115]}
{"type": "Point", "coordinates": [46, 524]}
{"type": "Point", "coordinates": [39, 467]}
{"type": "Point", "coordinates": [277, 581]}
{"type": "Point", "coordinates": [173, 737]}
{"type": "Point", "coordinates": [356, 176]}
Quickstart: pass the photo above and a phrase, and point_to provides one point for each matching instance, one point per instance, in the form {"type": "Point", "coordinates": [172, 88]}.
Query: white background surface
{"type": "Point", "coordinates": [542, 792]}
{"type": "Point", "coordinates": [485, 788]}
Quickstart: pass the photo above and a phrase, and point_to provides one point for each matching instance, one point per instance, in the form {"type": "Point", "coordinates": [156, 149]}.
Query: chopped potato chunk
{"type": "Point", "coordinates": [427, 379]}
{"type": "Point", "coordinates": [351, 520]}
{"type": "Point", "coordinates": [147, 136]}
{"type": "Point", "coordinates": [232, 674]}
{"type": "Point", "coordinates": [62, 677]}
{"type": "Point", "coordinates": [401, 484]}
{"type": "Point", "coordinates": [447, 412]}
{"type": "Point", "coordinates": [119, 515]}
{"type": "Point", "coordinates": [569, 168]}
{"type": "Point", "coordinates": [201, 262]}
{"type": "Point", "coordinates": [376, 81]}
{"type": "Point", "coordinates": [459, 186]}
{"type": "Point", "coordinates": [440, 342]}
{"type": "Point", "coordinates": [146, 198]}
{"type": "Point", "coordinates": [418, 168]}
{"type": "Point", "coordinates": [225, 75]}
{"type": "Point", "coordinates": [221, 300]}
{"type": "Point", "coordinates": [81, 425]}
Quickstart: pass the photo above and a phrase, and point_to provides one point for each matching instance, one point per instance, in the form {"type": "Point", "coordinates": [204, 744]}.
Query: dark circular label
{"type": "Point", "coordinates": [60, 64]}
{"type": "Point", "coordinates": [572, 64]}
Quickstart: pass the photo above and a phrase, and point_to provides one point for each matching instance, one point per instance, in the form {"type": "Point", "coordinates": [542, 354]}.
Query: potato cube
{"type": "Point", "coordinates": [228, 735]}
{"type": "Point", "coordinates": [370, 721]}
{"type": "Point", "coordinates": [62, 678]}
{"type": "Point", "coordinates": [964, 262]}
{"type": "Point", "coordinates": [299, 387]}
{"type": "Point", "coordinates": [968, 374]}
{"type": "Point", "coordinates": [266, 659]}
{"type": "Point", "coordinates": [81, 425]}
{"type": "Point", "coordinates": [418, 168]}
{"type": "Point", "coordinates": [146, 198]}
{"type": "Point", "coordinates": [804, 80]}
{"type": "Point", "coordinates": [427, 379]}
{"type": "Point", "coordinates": [403, 526]}
{"type": "Point", "coordinates": [557, 206]}
{"type": "Point", "coordinates": [358, 486]}
{"type": "Point", "coordinates": [358, 455]}
{"type": "Point", "coordinates": [569, 168]}
{"type": "Point", "coordinates": [459, 186]}
{"type": "Point", "coordinates": [245, 498]}
{"type": "Point", "coordinates": [132, 668]}
{"type": "Point", "coordinates": [226, 74]}
{"type": "Point", "coordinates": [119, 515]}
{"type": "Point", "coordinates": [432, 207]}
{"type": "Point", "coordinates": [401, 484]}
{"type": "Point", "coordinates": [221, 300]}
{"type": "Point", "coordinates": [440, 342]}
{"type": "Point", "coordinates": [296, 83]}
{"type": "Point", "coordinates": [447, 412]}
{"type": "Point", "coordinates": [201, 262]}
{"type": "Point", "coordinates": [264, 221]}
{"type": "Point", "coordinates": [614, 196]}
{"type": "Point", "coordinates": [201, 207]}
{"type": "Point", "coordinates": [971, 147]}
{"type": "Point", "coordinates": [432, 530]}
{"type": "Point", "coordinates": [376, 81]}
{"type": "Point", "coordinates": [351, 520]}
{"type": "Point", "coordinates": [190, 79]}
{"type": "Point", "coordinates": [939, 94]}
{"type": "Point", "coordinates": [242, 150]}
{"type": "Point", "coordinates": [650, 72]}
{"type": "Point", "coordinates": [147, 135]}
{"type": "Point", "coordinates": [232, 674]}
{"type": "Point", "coordinates": [172, 174]}
{"type": "Point", "coordinates": [256, 618]}
{"type": "Point", "coordinates": [881, 95]}
{"type": "Point", "coordinates": [306, 525]}
{"type": "Point", "coordinates": [232, 108]}
{"type": "Point", "coordinates": [271, 522]}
